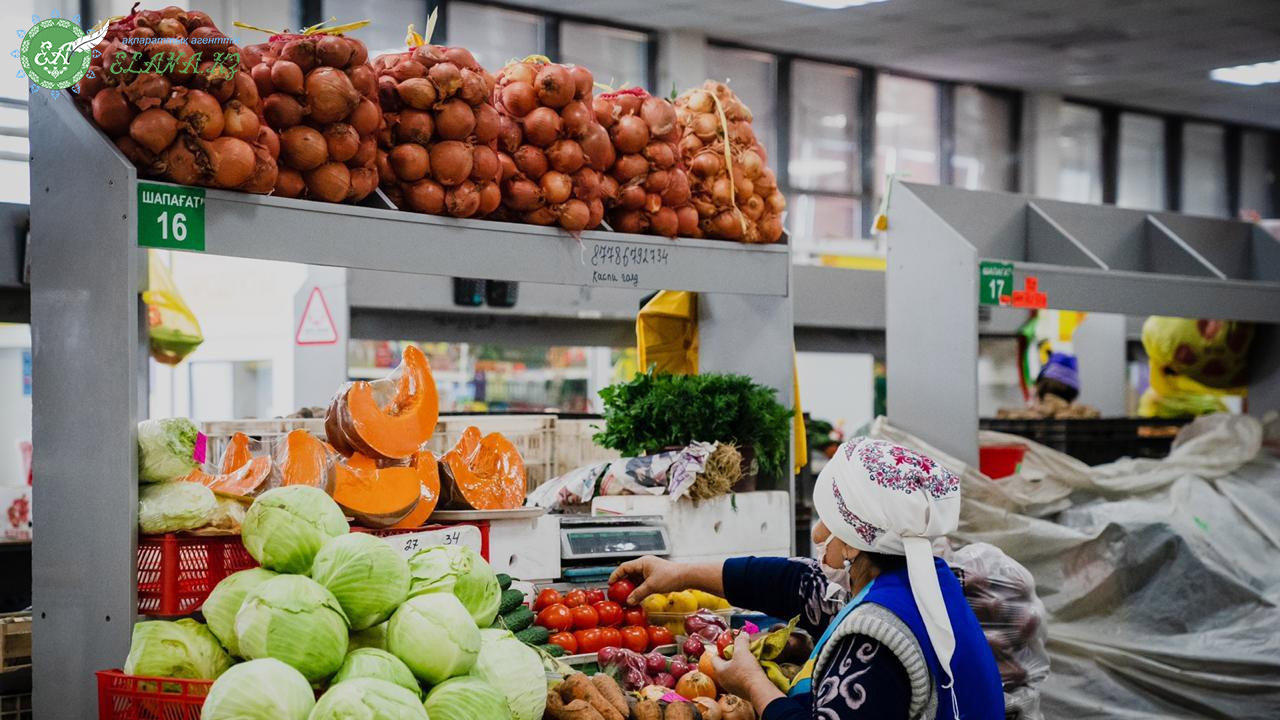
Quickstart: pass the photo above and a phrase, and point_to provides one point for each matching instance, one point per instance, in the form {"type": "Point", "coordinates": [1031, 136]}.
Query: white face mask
{"type": "Point", "coordinates": [837, 578]}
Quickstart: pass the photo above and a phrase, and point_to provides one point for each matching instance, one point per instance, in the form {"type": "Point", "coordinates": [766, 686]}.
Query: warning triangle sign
{"type": "Point", "coordinates": [316, 326]}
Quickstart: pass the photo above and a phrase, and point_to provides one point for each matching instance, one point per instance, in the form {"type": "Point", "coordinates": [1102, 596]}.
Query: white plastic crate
{"type": "Point", "coordinates": [269, 432]}
{"type": "Point", "coordinates": [533, 436]}
{"type": "Point", "coordinates": [574, 447]}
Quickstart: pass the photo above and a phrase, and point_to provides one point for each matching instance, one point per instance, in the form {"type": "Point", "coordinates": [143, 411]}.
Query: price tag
{"type": "Point", "coordinates": [410, 543]}
{"type": "Point", "coordinates": [171, 217]}
{"type": "Point", "coordinates": [994, 280]}
{"type": "Point", "coordinates": [623, 264]}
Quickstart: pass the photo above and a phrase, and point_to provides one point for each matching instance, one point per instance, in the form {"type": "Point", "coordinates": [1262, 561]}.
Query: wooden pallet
{"type": "Point", "coordinates": [15, 641]}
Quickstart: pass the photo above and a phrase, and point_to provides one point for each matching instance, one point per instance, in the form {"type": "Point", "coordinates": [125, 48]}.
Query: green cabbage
{"type": "Point", "coordinates": [224, 602]}
{"type": "Point", "coordinates": [180, 649]}
{"type": "Point", "coordinates": [369, 699]}
{"type": "Point", "coordinates": [294, 619]}
{"type": "Point", "coordinates": [374, 637]}
{"type": "Point", "coordinates": [466, 698]}
{"type": "Point", "coordinates": [259, 690]}
{"type": "Point", "coordinates": [286, 526]}
{"type": "Point", "coordinates": [166, 449]}
{"type": "Point", "coordinates": [174, 507]}
{"type": "Point", "coordinates": [368, 576]}
{"type": "Point", "coordinates": [379, 665]}
{"type": "Point", "coordinates": [514, 669]}
{"type": "Point", "coordinates": [434, 636]}
{"type": "Point", "coordinates": [460, 570]}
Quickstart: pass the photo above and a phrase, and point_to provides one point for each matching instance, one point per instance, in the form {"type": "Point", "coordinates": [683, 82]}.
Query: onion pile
{"type": "Point", "coordinates": [190, 120]}
{"type": "Point", "coordinates": [745, 205]}
{"type": "Point", "coordinates": [647, 189]}
{"type": "Point", "coordinates": [553, 150]}
{"type": "Point", "coordinates": [320, 95]}
{"type": "Point", "coordinates": [437, 149]}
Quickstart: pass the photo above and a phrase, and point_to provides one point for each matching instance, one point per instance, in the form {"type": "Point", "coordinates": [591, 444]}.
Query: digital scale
{"type": "Point", "coordinates": [591, 546]}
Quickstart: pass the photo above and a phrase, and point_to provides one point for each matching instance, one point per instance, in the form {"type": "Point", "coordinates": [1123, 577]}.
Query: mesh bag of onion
{"type": "Point", "coordinates": [646, 189]}
{"type": "Point", "coordinates": [320, 96]}
{"type": "Point", "coordinates": [180, 114]}
{"type": "Point", "coordinates": [437, 148]}
{"type": "Point", "coordinates": [734, 192]}
{"type": "Point", "coordinates": [553, 151]}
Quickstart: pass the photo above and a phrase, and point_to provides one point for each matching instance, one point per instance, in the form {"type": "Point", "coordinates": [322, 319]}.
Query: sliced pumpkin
{"type": "Point", "coordinates": [380, 497]}
{"type": "Point", "coordinates": [304, 459]}
{"type": "Point", "coordinates": [482, 473]}
{"type": "Point", "coordinates": [386, 419]}
{"type": "Point", "coordinates": [428, 492]}
{"type": "Point", "coordinates": [245, 482]}
{"type": "Point", "coordinates": [236, 454]}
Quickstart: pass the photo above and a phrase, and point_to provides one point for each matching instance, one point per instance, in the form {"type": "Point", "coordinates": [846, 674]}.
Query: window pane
{"type": "Point", "coordinates": [1257, 179]}
{"type": "Point", "coordinates": [752, 76]}
{"type": "Point", "coordinates": [493, 35]}
{"type": "Point", "coordinates": [817, 222]}
{"type": "Point", "coordinates": [614, 56]}
{"type": "Point", "coordinates": [1204, 170]}
{"type": "Point", "coordinates": [906, 130]}
{"type": "Point", "coordinates": [17, 14]}
{"type": "Point", "coordinates": [983, 157]}
{"type": "Point", "coordinates": [380, 37]}
{"type": "Point", "coordinates": [824, 128]}
{"type": "Point", "coordinates": [1079, 154]}
{"type": "Point", "coordinates": [1141, 182]}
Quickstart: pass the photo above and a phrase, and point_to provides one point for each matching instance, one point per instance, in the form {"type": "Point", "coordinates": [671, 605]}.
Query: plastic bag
{"type": "Point", "coordinates": [174, 331]}
{"type": "Point", "coordinates": [173, 507]}
{"type": "Point", "coordinates": [1193, 363]}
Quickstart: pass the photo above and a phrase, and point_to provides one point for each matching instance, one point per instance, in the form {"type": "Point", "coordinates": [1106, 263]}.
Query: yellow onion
{"type": "Point", "coordinates": [410, 162]}
{"type": "Point", "coordinates": [425, 196]}
{"type": "Point", "coordinates": [450, 162]}
{"type": "Point", "coordinates": [112, 112]}
{"type": "Point", "coordinates": [232, 161]}
{"type": "Point", "coordinates": [303, 148]}
{"type": "Point", "coordinates": [153, 129]}
{"type": "Point", "coordinates": [330, 95]}
{"type": "Point", "coordinates": [330, 182]}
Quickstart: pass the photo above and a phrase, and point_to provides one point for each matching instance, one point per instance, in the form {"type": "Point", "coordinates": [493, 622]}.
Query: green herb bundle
{"type": "Point", "coordinates": [657, 410]}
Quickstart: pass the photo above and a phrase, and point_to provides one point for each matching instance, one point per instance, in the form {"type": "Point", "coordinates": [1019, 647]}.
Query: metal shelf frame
{"type": "Point", "coordinates": [90, 347]}
{"type": "Point", "coordinates": [1085, 257]}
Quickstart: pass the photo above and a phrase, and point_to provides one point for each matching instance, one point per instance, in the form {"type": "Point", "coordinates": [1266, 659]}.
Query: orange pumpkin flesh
{"type": "Point", "coordinates": [245, 482]}
{"type": "Point", "coordinates": [378, 497]}
{"type": "Point", "coordinates": [236, 454]}
{"type": "Point", "coordinates": [428, 492]}
{"type": "Point", "coordinates": [390, 428]}
{"type": "Point", "coordinates": [483, 473]}
{"type": "Point", "coordinates": [305, 459]}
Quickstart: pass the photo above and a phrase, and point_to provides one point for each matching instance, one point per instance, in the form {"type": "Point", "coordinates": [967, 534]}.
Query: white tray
{"type": "Point", "coordinates": [524, 513]}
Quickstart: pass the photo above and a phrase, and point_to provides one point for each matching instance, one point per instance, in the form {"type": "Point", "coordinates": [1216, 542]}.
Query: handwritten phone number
{"type": "Point", "coordinates": [604, 254]}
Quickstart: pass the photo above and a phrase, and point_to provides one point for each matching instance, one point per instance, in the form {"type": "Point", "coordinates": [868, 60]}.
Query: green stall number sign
{"type": "Point", "coordinates": [994, 279]}
{"type": "Point", "coordinates": [170, 216]}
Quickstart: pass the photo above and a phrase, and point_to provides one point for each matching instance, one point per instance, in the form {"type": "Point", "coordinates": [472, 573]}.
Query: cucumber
{"type": "Point", "coordinates": [518, 619]}
{"type": "Point", "coordinates": [554, 651]}
{"type": "Point", "coordinates": [504, 581]}
{"type": "Point", "coordinates": [533, 635]}
{"type": "Point", "coordinates": [511, 599]}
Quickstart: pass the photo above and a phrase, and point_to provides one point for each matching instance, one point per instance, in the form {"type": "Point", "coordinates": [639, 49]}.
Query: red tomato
{"type": "Point", "coordinates": [659, 635]}
{"type": "Point", "coordinates": [620, 591]}
{"type": "Point", "coordinates": [574, 598]}
{"type": "Point", "coordinates": [595, 595]}
{"type": "Point", "coordinates": [566, 641]}
{"type": "Point", "coordinates": [556, 617]}
{"type": "Point", "coordinates": [610, 613]}
{"type": "Point", "coordinates": [546, 599]}
{"type": "Point", "coordinates": [635, 616]}
{"type": "Point", "coordinates": [610, 637]}
{"type": "Point", "coordinates": [635, 638]}
{"type": "Point", "coordinates": [584, 617]}
{"type": "Point", "coordinates": [589, 641]}
{"type": "Point", "coordinates": [725, 640]}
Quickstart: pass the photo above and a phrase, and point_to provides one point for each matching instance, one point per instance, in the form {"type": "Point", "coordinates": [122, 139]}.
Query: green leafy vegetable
{"type": "Point", "coordinates": [259, 690]}
{"type": "Point", "coordinates": [286, 526]}
{"type": "Point", "coordinates": [374, 637]}
{"type": "Point", "coordinates": [435, 636]}
{"type": "Point", "coordinates": [466, 698]}
{"type": "Point", "coordinates": [459, 570]}
{"type": "Point", "coordinates": [166, 449]}
{"type": "Point", "coordinates": [516, 670]}
{"type": "Point", "coordinates": [174, 507]}
{"type": "Point", "coordinates": [180, 649]}
{"type": "Point", "coordinates": [224, 602]}
{"type": "Point", "coordinates": [294, 619]}
{"type": "Point", "coordinates": [368, 577]}
{"type": "Point", "coordinates": [377, 664]}
{"type": "Point", "coordinates": [368, 699]}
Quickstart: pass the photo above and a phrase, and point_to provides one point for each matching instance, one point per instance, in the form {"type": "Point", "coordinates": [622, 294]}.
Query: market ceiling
{"type": "Point", "coordinates": [1155, 54]}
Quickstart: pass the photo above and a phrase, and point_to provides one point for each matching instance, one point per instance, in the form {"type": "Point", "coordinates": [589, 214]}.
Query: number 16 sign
{"type": "Point", "coordinates": [171, 216]}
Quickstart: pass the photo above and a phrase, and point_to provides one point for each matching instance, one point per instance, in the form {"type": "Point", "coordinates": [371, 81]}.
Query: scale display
{"type": "Point", "coordinates": [611, 542]}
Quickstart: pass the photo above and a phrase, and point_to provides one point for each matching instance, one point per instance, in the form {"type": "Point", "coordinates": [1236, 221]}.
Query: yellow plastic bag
{"type": "Point", "coordinates": [173, 328]}
{"type": "Point", "coordinates": [1193, 363]}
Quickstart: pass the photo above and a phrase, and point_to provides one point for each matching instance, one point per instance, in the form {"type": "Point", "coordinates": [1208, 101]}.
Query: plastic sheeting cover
{"type": "Point", "coordinates": [1161, 578]}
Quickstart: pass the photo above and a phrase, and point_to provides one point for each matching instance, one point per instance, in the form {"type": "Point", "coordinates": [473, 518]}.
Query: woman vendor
{"type": "Point", "coordinates": [897, 637]}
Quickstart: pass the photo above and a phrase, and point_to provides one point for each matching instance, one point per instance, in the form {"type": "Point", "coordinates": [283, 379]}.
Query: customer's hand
{"type": "Point", "coordinates": [743, 676]}
{"type": "Point", "coordinates": [651, 575]}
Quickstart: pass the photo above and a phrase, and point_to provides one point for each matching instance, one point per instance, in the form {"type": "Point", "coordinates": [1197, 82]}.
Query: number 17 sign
{"type": "Point", "coordinates": [171, 216]}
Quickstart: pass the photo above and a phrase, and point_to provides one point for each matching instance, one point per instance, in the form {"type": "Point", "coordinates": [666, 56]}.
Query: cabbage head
{"type": "Point", "coordinates": [286, 526]}
{"type": "Point", "coordinates": [224, 602]}
{"type": "Point", "coordinates": [466, 698]}
{"type": "Point", "coordinates": [369, 699]}
{"type": "Point", "coordinates": [259, 690]}
{"type": "Point", "coordinates": [374, 637]}
{"type": "Point", "coordinates": [459, 570]}
{"type": "Point", "coordinates": [166, 449]}
{"type": "Point", "coordinates": [368, 577]}
{"type": "Point", "coordinates": [434, 636]}
{"type": "Point", "coordinates": [180, 649]}
{"type": "Point", "coordinates": [174, 507]}
{"type": "Point", "coordinates": [515, 669]}
{"type": "Point", "coordinates": [295, 620]}
{"type": "Point", "coordinates": [379, 665]}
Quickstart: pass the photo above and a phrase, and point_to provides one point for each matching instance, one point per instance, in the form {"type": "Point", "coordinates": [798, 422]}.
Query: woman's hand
{"type": "Point", "coordinates": [743, 676]}
{"type": "Point", "coordinates": [655, 575]}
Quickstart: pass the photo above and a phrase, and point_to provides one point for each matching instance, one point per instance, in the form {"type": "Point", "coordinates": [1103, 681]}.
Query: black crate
{"type": "Point", "coordinates": [1095, 442]}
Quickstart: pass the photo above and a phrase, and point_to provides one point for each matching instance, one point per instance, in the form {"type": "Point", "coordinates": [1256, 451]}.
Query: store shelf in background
{"type": "Point", "coordinates": [15, 641]}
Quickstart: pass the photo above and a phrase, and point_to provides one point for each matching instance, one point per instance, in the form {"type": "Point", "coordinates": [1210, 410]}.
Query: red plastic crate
{"type": "Point", "coordinates": [177, 572]}
{"type": "Point", "coordinates": [126, 697]}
